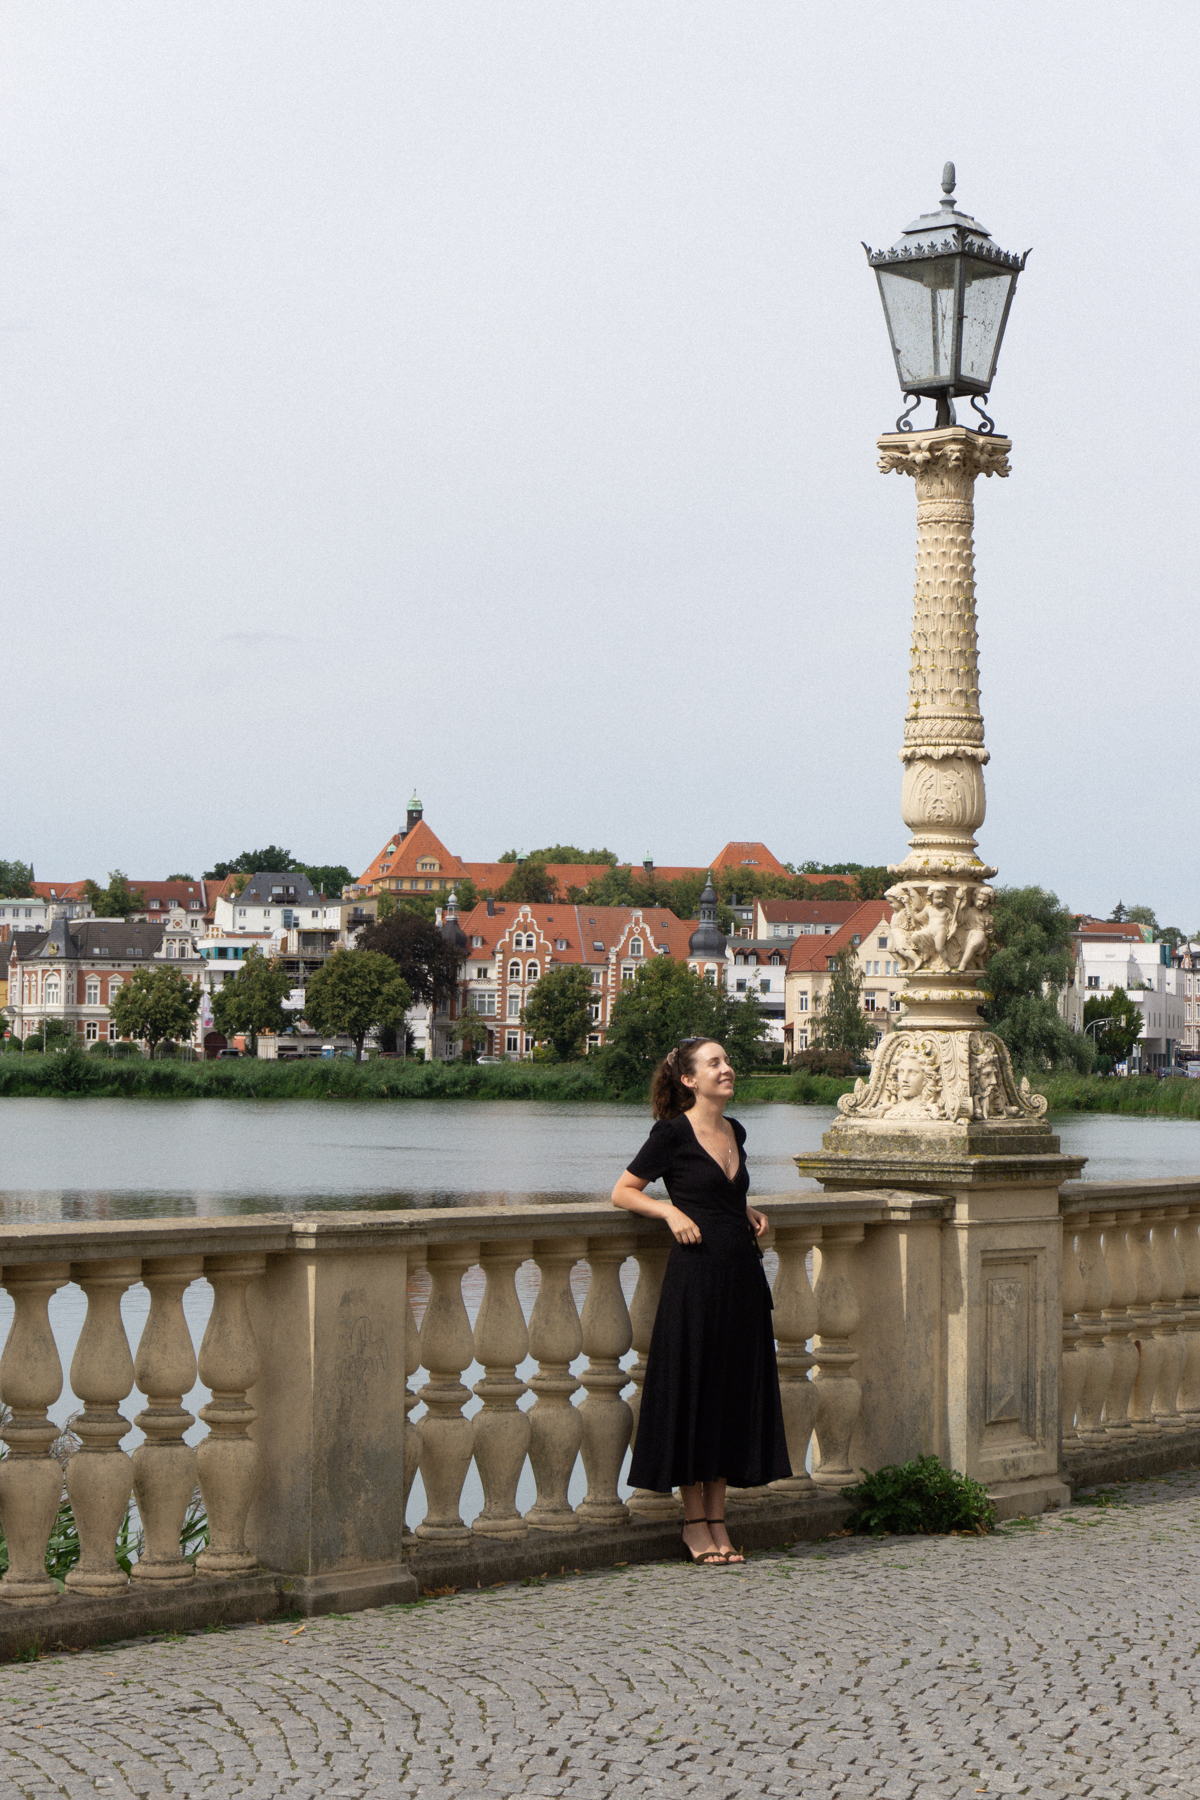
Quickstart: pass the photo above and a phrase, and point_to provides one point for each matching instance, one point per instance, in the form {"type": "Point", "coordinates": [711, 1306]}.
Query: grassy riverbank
{"type": "Point", "coordinates": [1139, 1095]}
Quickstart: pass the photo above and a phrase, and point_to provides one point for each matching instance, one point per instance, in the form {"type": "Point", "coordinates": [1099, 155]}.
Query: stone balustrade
{"type": "Point", "coordinates": [1131, 1316]}
{"type": "Point", "coordinates": [498, 1415]}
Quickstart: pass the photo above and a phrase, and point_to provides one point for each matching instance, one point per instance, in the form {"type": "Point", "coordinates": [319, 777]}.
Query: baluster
{"type": "Point", "coordinates": [164, 1467]}
{"type": "Point", "coordinates": [447, 1348]}
{"type": "Point", "coordinates": [652, 1266]}
{"type": "Point", "coordinates": [31, 1480]}
{"type": "Point", "coordinates": [501, 1429]}
{"type": "Point", "coordinates": [1168, 1325]}
{"type": "Point", "coordinates": [839, 1394]}
{"type": "Point", "coordinates": [227, 1461]}
{"type": "Point", "coordinates": [412, 1362]}
{"type": "Point", "coordinates": [607, 1419]}
{"type": "Point", "coordinates": [795, 1323]}
{"type": "Point", "coordinates": [100, 1474]}
{"type": "Point", "coordinates": [1097, 1357]}
{"type": "Point", "coordinates": [1145, 1267]}
{"type": "Point", "coordinates": [1189, 1386]}
{"type": "Point", "coordinates": [1074, 1367]}
{"type": "Point", "coordinates": [555, 1427]}
{"type": "Point", "coordinates": [1119, 1337]}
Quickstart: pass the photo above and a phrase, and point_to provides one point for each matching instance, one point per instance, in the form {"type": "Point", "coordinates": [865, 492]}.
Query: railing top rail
{"type": "Point", "coordinates": [303, 1233]}
{"type": "Point", "coordinates": [1122, 1196]}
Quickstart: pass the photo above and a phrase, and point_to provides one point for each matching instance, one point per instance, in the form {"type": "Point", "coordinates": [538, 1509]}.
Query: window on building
{"type": "Point", "coordinates": [802, 1003]}
{"type": "Point", "coordinates": [1093, 981]}
{"type": "Point", "coordinates": [868, 1003]}
{"type": "Point", "coordinates": [92, 997]}
{"type": "Point", "coordinates": [514, 971]}
{"type": "Point", "coordinates": [878, 1039]}
{"type": "Point", "coordinates": [532, 972]}
{"type": "Point", "coordinates": [739, 987]}
{"type": "Point", "coordinates": [627, 974]}
{"type": "Point", "coordinates": [882, 942]}
{"type": "Point", "coordinates": [776, 960]}
{"type": "Point", "coordinates": [802, 1040]}
{"type": "Point", "coordinates": [739, 959]}
{"type": "Point", "coordinates": [635, 946]}
{"type": "Point", "coordinates": [112, 1034]}
{"type": "Point", "coordinates": [91, 1031]}
{"type": "Point", "coordinates": [477, 943]}
{"type": "Point", "coordinates": [484, 1003]}
{"type": "Point", "coordinates": [512, 1041]}
{"type": "Point", "coordinates": [595, 1010]}
{"type": "Point", "coordinates": [894, 1003]}
{"type": "Point", "coordinates": [777, 931]}
{"type": "Point", "coordinates": [514, 1006]}
{"type": "Point", "coordinates": [52, 993]}
{"type": "Point", "coordinates": [764, 984]}
{"type": "Point", "coordinates": [115, 984]}
{"type": "Point", "coordinates": [560, 943]}
{"type": "Point", "coordinates": [597, 977]}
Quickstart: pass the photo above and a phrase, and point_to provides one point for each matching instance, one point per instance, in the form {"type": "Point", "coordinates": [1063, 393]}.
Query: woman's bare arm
{"type": "Point", "coordinates": [629, 1193]}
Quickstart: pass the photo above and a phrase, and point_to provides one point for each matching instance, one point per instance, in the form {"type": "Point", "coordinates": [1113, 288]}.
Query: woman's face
{"type": "Point", "coordinates": [712, 1076]}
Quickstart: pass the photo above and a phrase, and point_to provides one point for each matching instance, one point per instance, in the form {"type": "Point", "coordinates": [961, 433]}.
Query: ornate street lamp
{"type": "Point", "coordinates": [946, 290]}
{"type": "Point", "coordinates": [942, 1083]}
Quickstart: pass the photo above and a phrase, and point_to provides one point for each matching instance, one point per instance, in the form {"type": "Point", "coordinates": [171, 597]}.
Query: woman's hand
{"type": "Point", "coordinates": [758, 1221]}
{"type": "Point", "coordinates": [683, 1229]}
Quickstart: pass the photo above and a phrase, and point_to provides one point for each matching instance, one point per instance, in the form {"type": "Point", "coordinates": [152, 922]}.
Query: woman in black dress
{"type": "Point", "coordinates": [710, 1410]}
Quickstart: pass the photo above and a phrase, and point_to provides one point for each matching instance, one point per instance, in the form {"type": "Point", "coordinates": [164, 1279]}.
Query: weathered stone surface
{"type": "Point", "coordinates": [1055, 1657]}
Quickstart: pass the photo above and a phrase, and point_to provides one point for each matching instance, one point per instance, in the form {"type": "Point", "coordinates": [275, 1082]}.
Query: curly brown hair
{"type": "Point", "coordinates": [668, 1095]}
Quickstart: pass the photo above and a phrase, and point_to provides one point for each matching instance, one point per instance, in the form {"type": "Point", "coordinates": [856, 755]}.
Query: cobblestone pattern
{"type": "Point", "coordinates": [1059, 1656]}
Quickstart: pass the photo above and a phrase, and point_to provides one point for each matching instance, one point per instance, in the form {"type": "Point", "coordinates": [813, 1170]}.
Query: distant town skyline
{"type": "Point", "coordinates": [487, 398]}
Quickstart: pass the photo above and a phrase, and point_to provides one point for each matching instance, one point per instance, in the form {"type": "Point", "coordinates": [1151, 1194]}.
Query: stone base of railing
{"type": "Point", "coordinates": [76, 1623]}
{"type": "Point", "coordinates": [1137, 1459]}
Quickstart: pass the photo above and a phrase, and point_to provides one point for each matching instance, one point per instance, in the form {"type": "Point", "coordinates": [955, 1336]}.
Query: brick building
{"type": "Point", "coordinates": [77, 966]}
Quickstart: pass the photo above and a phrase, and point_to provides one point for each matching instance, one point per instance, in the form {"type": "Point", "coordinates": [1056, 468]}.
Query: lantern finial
{"type": "Point", "coordinates": [948, 179]}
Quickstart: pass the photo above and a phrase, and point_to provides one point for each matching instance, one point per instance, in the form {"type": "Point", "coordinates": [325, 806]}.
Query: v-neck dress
{"type": "Point", "coordinates": [710, 1404]}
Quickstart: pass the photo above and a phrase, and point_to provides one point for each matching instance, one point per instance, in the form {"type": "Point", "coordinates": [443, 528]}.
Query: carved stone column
{"type": "Point", "coordinates": [1097, 1357]}
{"type": "Point", "coordinates": [228, 1460]}
{"type": "Point", "coordinates": [447, 1348]}
{"type": "Point", "coordinates": [555, 1427]}
{"type": "Point", "coordinates": [1149, 1348]}
{"type": "Point", "coordinates": [501, 1438]}
{"type": "Point", "coordinates": [839, 1395]}
{"type": "Point", "coordinates": [100, 1475]}
{"type": "Point", "coordinates": [652, 1266]}
{"type": "Point", "coordinates": [1074, 1368]}
{"type": "Point", "coordinates": [164, 1467]}
{"type": "Point", "coordinates": [607, 1420]}
{"type": "Point", "coordinates": [1188, 1235]}
{"type": "Point", "coordinates": [1168, 1320]}
{"type": "Point", "coordinates": [31, 1481]}
{"type": "Point", "coordinates": [796, 1321]}
{"type": "Point", "coordinates": [1119, 1334]}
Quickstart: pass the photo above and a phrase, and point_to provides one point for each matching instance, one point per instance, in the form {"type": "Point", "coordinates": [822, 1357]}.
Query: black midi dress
{"type": "Point", "coordinates": [710, 1404]}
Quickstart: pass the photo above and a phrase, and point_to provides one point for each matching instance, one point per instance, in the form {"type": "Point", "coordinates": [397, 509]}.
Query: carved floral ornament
{"type": "Point", "coordinates": [948, 464]}
{"type": "Point", "coordinates": [942, 1077]}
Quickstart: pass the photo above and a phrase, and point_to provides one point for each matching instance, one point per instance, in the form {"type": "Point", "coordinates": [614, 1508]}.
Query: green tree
{"type": "Point", "coordinates": [118, 899]}
{"type": "Point", "coordinates": [155, 1004]}
{"type": "Point", "coordinates": [16, 880]}
{"type": "Point", "coordinates": [1121, 1027]}
{"type": "Point", "coordinates": [559, 1010]}
{"type": "Point", "coordinates": [566, 853]}
{"type": "Point", "coordinates": [272, 859]}
{"type": "Point", "coordinates": [664, 1003]}
{"type": "Point", "coordinates": [872, 883]}
{"type": "Point", "coordinates": [50, 1034]}
{"type": "Point", "coordinates": [531, 883]}
{"type": "Point", "coordinates": [252, 1000]}
{"type": "Point", "coordinates": [743, 1029]}
{"type": "Point", "coordinates": [428, 962]}
{"type": "Point", "coordinates": [839, 1022]}
{"type": "Point", "coordinates": [1028, 968]}
{"type": "Point", "coordinates": [327, 878]}
{"type": "Point", "coordinates": [471, 1031]}
{"type": "Point", "coordinates": [1118, 915]}
{"type": "Point", "coordinates": [357, 991]}
{"type": "Point", "coordinates": [180, 878]}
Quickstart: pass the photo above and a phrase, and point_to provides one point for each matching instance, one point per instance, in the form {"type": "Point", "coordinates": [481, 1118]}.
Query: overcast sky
{"type": "Point", "coordinates": [483, 398]}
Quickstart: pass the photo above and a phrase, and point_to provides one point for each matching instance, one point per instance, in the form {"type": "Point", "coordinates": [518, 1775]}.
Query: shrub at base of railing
{"type": "Point", "coordinates": [919, 1496]}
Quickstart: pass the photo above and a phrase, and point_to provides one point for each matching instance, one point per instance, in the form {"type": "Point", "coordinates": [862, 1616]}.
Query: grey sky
{"type": "Point", "coordinates": [483, 398]}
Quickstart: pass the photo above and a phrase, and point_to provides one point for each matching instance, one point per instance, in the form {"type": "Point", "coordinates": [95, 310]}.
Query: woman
{"type": "Point", "coordinates": [710, 1409]}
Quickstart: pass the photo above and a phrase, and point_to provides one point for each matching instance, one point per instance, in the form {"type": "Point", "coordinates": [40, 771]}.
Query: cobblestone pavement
{"type": "Point", "coordinates": [1059, 1656]}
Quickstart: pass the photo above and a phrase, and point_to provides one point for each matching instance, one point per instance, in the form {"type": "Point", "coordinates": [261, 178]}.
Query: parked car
{"type": "Point", "coordinates": [221, 1053]}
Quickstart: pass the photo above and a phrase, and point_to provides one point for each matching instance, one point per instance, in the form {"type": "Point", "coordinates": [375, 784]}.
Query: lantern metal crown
{"type": "Point", "coordinates": [946, 290]}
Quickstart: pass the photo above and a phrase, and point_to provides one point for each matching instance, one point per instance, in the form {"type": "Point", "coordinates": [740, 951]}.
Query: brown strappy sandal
{"type": "Point", "coordinates": [728, 1557]}
{"type": "Point", "coordinates": [707, 1558]}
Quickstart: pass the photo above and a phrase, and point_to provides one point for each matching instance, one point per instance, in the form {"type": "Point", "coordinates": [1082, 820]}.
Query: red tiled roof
{"type": "Point", "coordinates": [59, 890]}
{"type": "Point", "coordinates": [810, 953]}
{"type": "Point", "coordinates": [808, 912]}
{"type": "Point", "coordinates": [404, 850]}
{"type": "Point", "coordinates": [583, 927]}
{"type": "Point", "coordinates": [737, 855]}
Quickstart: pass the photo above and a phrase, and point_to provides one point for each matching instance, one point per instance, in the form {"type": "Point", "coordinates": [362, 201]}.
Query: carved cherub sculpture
{"type": "Point", "coordinates": [907, 917]}
{"type": "Point", "coordinates": [975, 929]}
{"type": "Point", "coordinates": [938, 926]}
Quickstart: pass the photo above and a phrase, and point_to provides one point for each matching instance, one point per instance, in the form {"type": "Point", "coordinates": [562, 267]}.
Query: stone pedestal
{"type": "Point", "coordinates": [942, 1113]}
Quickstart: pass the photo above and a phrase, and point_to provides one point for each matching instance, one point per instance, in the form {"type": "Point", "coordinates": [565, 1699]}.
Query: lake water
{"type": "Point", "coordinates": [112, 1159]}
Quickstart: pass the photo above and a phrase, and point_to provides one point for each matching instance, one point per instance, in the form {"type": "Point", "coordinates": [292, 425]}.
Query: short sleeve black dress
{"type": "Point", "coordinates": [710, 1404]}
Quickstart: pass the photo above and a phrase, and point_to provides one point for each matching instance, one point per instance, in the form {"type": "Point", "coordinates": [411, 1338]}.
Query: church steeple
{"type": "Point", "coordinates": [707, 940]}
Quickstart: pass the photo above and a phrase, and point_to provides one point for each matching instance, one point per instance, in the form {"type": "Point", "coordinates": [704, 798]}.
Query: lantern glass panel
{"type": "Point", "coordinates": [986, 297]}
{"type": "Point", "coordinates": [918, 299]}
